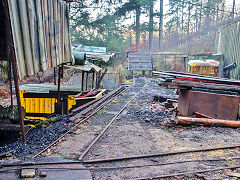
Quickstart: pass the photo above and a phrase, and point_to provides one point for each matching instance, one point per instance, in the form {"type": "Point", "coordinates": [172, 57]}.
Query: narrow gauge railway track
{"type": "Point", "coordinates": [112, 120]}
{"type": "Point", "coordinates": [98, 164]}
{"type": "Point", "coordinates": [86, 111]}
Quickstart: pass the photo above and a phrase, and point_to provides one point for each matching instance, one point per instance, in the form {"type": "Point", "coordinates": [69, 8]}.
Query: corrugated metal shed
{"type": "Point", "coordinates": [3, 32]}
{"type": "Point", "coordinates": [86, 67]}
{"type": "Point", "coordinates": [228, 44]}
{"type": "Point", "coordinates": [40, 30]}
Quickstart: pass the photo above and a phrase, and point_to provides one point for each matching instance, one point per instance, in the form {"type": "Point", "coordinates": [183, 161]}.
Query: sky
{"type": "Point", "coordinates": [145, 18]}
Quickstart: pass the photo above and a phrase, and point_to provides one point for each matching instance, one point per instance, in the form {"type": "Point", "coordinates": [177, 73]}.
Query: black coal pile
{"type": "Point", "coordinates": [140, 82]}
{"type": "Point", "coordinates": [38, 138]}
{"type": "Point", "coordinates": [150, 111]}
{"type": "Point", "coordinates": [154, 113]}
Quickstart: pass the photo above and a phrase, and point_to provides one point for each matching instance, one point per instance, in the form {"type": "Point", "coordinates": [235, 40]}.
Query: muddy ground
{"type": "Point", "coordinates": [140, 129]}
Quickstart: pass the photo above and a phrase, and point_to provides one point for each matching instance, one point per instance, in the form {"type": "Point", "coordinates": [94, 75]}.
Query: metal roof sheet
{"type": "Point", "coordinates": [40, 34]}
{"type": "Point", "coordinates": [45, 88]}
{"type": "Point", "coordinates": [87, 67]}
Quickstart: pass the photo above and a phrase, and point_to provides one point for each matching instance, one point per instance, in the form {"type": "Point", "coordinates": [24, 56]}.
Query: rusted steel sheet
{"type": "Point", "coordinates": [40, 34]}
{"type": "Point", "coordinates": [213, 105]}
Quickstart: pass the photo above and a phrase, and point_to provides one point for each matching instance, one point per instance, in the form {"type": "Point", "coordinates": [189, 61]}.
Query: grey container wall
{"type": "Point", "coordinates": [228, 44]}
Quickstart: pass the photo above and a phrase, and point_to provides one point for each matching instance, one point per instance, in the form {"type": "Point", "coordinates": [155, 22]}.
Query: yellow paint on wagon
{"type": "Point", "coordinates": [47, 105]}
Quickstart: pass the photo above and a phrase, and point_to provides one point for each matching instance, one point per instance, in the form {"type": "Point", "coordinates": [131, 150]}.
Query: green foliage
{"type": "Point", "coordinates": [105, 30]}
{"type": "Point", "coordinates": [168, 129]}
{"type": "Point", "coordinates": [97, 133]}
{"type": "Point", "coordinates": [4, 69]}
{"type": "Point", "coordinates": [99, 112]}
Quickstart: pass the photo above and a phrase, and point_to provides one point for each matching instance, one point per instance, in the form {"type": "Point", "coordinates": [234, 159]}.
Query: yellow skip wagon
{"type": "Point", "coordinates": [40, 100]}
{"type": "Point", "coordinates": [204, 67]}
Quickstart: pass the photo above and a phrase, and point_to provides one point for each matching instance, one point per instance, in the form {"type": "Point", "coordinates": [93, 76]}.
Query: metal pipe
{"type": "Point", "coordinates": [159, 154]}
{"type": "Point", "coordinates": [21, 118]}
{"type": "Point", "coordinates": [10, 80]}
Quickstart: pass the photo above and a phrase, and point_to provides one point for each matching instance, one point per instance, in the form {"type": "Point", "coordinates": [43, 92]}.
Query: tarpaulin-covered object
{"type": "Point", "coordinates": [228, 43]}
{"type": "Point", "coordinates": [40, 30]}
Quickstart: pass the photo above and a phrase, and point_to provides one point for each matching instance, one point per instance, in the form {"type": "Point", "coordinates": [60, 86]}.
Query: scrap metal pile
{"type": "Point", "coordinates": [203, 100]}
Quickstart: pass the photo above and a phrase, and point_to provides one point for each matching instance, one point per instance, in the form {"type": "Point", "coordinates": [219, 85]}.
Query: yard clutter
{"type": "Point", "coordinates": [214, 100]}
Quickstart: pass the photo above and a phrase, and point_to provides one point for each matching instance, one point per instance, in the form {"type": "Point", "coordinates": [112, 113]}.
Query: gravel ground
{"type": "Point", "coordinates": [140, 130]}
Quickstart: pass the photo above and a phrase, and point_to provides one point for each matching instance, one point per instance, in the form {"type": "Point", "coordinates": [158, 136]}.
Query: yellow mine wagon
{"type": "Point", "coordinates": [207, 67]}
{"type": "Point", "coordinates": [40, 100]}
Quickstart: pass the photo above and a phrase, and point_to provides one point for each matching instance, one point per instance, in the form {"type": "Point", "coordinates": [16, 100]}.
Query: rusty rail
{"type": "Point", "coordinates": [102, 132]}
{"type": "Point", "coordinates": [158, 154]}
{"type": "Point", "coordinates": [94, 110]}
{"type": "Point", "coordinates": [42, 165]}
{"type": "Point", "coordinates": [190, 172]}
{"type": "Point", "coordinates": [85, 109]}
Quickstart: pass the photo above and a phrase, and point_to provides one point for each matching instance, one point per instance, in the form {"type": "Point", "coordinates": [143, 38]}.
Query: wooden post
{"type": "Point", "coordinates": [59, 92]}
{"type": "Point", "coordinates": [96, 79]}
{"type": "Point", "coordinates": [87, 81]}
{"type": "Point", "coordinates": [55, 78]}
{"type": "Point", "coordinates": [93, 77]}
{"type": "Point", "coordinates": [82, 79]}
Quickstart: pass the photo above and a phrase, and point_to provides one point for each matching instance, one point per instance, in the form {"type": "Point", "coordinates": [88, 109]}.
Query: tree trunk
{"type": "Point", "coordinates": [233, 9]}
{"type": "Point", "coordinates": [177, 14]}
{"type": "Point", "coordinates": [161, 26]}
{"type": "Point", "coordinates": [200, 16]}
{"type": "Point", "coordinates": [138, 13]}
{"type": "Point", "coordinates": [196, 23]}
{"type": "Point", "coordinates": [151, 25]}
{"type": "Point", "coordinates": [223, 8]}
{"type": "Point", "coordinates": [182, 17]}
{"type": "Point", "coordinates": [189, 16]}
